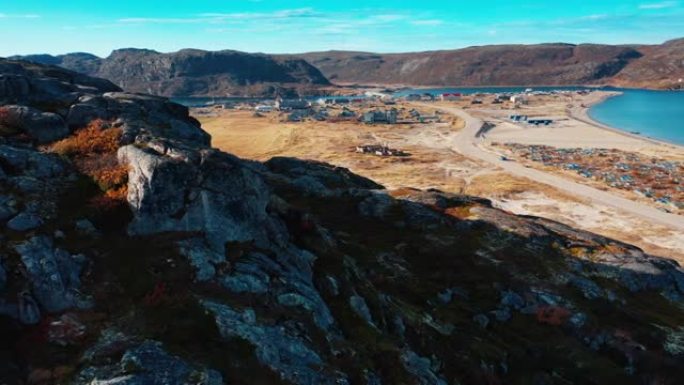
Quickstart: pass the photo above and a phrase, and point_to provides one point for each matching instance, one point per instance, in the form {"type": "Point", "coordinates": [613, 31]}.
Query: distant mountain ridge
{"type": "Point", "coordinates": [192, 72]}
{"type": "Point", "coordinates": [658, 66]}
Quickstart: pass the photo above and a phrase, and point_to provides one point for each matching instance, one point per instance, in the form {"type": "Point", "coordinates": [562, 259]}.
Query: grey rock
{"type": "Point", "coordinates": [112, 342]}
{"type": "Point", "coordinates": [202, 258]}
{"type": "Point", "coordinates": [25, 310]}
{"type": "Point", "coordinates": [481, 320]}
{"type": "Point", "coordinates": [230, 201]}
{"type": "Point", "coordinates": [24, 222]}
{"type": "Point", "coordinates": [86, 227]}
{"type": "Point", "coordinates": [376, 205]}
{"type": "Point", "coordinates": [245, 283]}
{"type": "Point", "coordinates": [44, 127]}
{"type": "Point", "coordinates": [286, 354]}
{"type": "Point", "coordinates": [589, 288]}
{"type": "Point", "coordinates": [360, 307]}
{"type": "Point", "coordinates": [502, 315]}
{"type": "Point", "coordinates": [421, 368]}
{"type": "Point", "coordinates": [317, 177]}
{"type": "Point", "coordinates": [578, 320]}
{"type": "Point", "coordinates": [149, 364]}
{"type": "Point", "coordinates": [332, 286]}
{"type": "Point", "coordinates": [88, 108]}
{"type": "Point", "coordinates": [7, 207]}
{"type": "Point", "coordinates": [28, 310]}
{"type": "Point", "coordinates": [53, 273]}
{"type": "Point", "coordinates": [31, 163]}
{"type": "Point", "coordinates": [512, 299]}
{"type": "Point", "coordinates": [3, 276]}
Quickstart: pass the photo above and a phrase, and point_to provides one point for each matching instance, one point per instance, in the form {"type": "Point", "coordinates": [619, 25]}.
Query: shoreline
{"type": "Point", "coordinates": [582, 114]}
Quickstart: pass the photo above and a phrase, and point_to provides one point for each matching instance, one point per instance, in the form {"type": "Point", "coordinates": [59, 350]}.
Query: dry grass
{"type": "Point", "coordinates": [503, 185]}
{"type": "Point", "coordinates": [239, 133]}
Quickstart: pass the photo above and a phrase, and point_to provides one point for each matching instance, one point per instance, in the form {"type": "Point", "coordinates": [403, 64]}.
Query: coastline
{"type": "Point", "coordinates": [581, 113]}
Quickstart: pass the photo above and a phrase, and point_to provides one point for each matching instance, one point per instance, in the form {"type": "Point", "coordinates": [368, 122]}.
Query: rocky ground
{"type": "Point", "coordinates": [193, 266]}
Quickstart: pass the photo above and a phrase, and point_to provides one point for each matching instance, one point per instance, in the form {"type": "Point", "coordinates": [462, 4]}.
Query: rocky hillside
{"type": "Point", "coordinates": [134, 253]}
{"type": "Point", "coordinates": [194, 72]}
{"type": "Point", "coordinates": [661, 67]}
{"type": "Point", "coordinates": [506, 65]}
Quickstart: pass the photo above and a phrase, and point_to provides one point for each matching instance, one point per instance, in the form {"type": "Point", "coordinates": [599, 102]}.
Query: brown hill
{"type": "Point", "coordinates": [661, 67]}
{"type": "Point", "coordinates": [545, 64]}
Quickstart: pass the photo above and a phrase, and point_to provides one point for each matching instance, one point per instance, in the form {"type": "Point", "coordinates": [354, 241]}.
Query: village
{"type": "Point", "coordinates": [658, 180]}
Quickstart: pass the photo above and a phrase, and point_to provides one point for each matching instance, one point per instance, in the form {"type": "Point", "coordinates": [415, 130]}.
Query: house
{"type": "Point", "coordinates": [453, 96]}
{"type": "Point", "coordinates": [378, 116]}
{"type": "Point", "coordinates": [379, 150]}
{"type": "Point", "coordinates": [539, 122]}
{"type": "Point", "coordinates": [291, 104]}
{"type": "Point", "coordinates": [264, 108]}
{"type": "Point", "coordinates": [518, 118]}
{"type": "Point", "coordinates": [519, 99]}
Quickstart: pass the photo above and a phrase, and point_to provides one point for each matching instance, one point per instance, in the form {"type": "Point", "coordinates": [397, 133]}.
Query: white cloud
{"type": "Point", "coordinates": [427, 22]}
{"type": "Point", "coordinates": [660, 5]}
{"type": "Point", "coordinates": [26, 16]}
{"type": "Point", "coordinates": [225, 17]}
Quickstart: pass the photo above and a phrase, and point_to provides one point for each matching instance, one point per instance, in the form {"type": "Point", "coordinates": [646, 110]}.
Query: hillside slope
{"type": "Point", "coordinates": [134, 253]}
{"type": "Point", "coordinates": [545, 64]}
{"type": "Point", "coordinates": [661, 67]}
{"type": "Point", "coordinates": [193, 72]}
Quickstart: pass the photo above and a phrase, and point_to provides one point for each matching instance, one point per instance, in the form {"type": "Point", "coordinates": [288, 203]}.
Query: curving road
{"type": "Point", "coordinates": [467, 144]}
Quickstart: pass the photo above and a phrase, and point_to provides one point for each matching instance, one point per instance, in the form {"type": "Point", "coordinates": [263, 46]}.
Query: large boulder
{"type": "Point", "coordinates": [215, 195]}
{"type": "Point", "coordinates": [44, 127]}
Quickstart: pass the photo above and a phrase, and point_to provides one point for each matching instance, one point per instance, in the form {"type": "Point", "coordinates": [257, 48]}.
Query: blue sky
{"type": "Point", "coordinates": [280, 26]}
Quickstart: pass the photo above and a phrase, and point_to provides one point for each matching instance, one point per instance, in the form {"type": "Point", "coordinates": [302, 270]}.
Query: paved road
{"type": "Point", "coordinates": [467, 144]}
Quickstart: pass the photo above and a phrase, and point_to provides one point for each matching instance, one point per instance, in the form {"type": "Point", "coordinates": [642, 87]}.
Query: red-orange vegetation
{"type": "Point", "coordinates": [95, 139]}
{"type": "Point", "coordinates": [93, 151]}
{"type": "Point", "coordinates": [552, 315]}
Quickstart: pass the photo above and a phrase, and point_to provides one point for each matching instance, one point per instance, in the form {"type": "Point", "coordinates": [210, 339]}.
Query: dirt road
{"type": "Point", "coordinates": [469, 145]}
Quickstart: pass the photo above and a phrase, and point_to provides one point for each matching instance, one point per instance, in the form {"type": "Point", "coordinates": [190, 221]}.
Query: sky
{"type": "Point", "coordinates": [281, 26]}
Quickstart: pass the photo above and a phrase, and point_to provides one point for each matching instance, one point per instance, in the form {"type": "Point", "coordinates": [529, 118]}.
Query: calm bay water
{"type": "Point", "coordinates": [656, 114]}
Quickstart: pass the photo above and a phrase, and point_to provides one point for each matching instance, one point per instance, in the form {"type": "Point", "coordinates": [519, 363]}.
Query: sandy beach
{"type": "Point", "coordinates": [572, 127]}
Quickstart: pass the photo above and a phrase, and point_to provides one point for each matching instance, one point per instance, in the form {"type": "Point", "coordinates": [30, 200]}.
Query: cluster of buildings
{"type": "Point", "coordinates": [531, 121]}
{"type": "Point", "coordinates": [658, 179]}
{"type": "Point", "coordinates": [379, 150]}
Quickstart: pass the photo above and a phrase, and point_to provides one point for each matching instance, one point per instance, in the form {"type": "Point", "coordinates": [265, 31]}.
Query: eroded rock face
{"type": "Point", "coordinates": [215, 195]}
{"type": "Point", "coordinates": [149, 364]}
{"type": "Point", "coordinates": [44, 127]}
{"type": "Point", "coordinates": [54, 274]}
{"type": "Point", "coordinates": [290, 356]}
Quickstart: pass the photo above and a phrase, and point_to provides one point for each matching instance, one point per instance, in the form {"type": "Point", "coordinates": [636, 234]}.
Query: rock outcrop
{"type": "Point", "coordinates": [193, 72]}
{"type": "Point", "coordinates": [206, 268]}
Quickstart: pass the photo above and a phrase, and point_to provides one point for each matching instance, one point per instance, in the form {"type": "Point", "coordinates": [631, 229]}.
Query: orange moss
{"type": "Point", "coordinates": [95, 139]}
{"type": "Point", "coordinates": [93, 151]}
